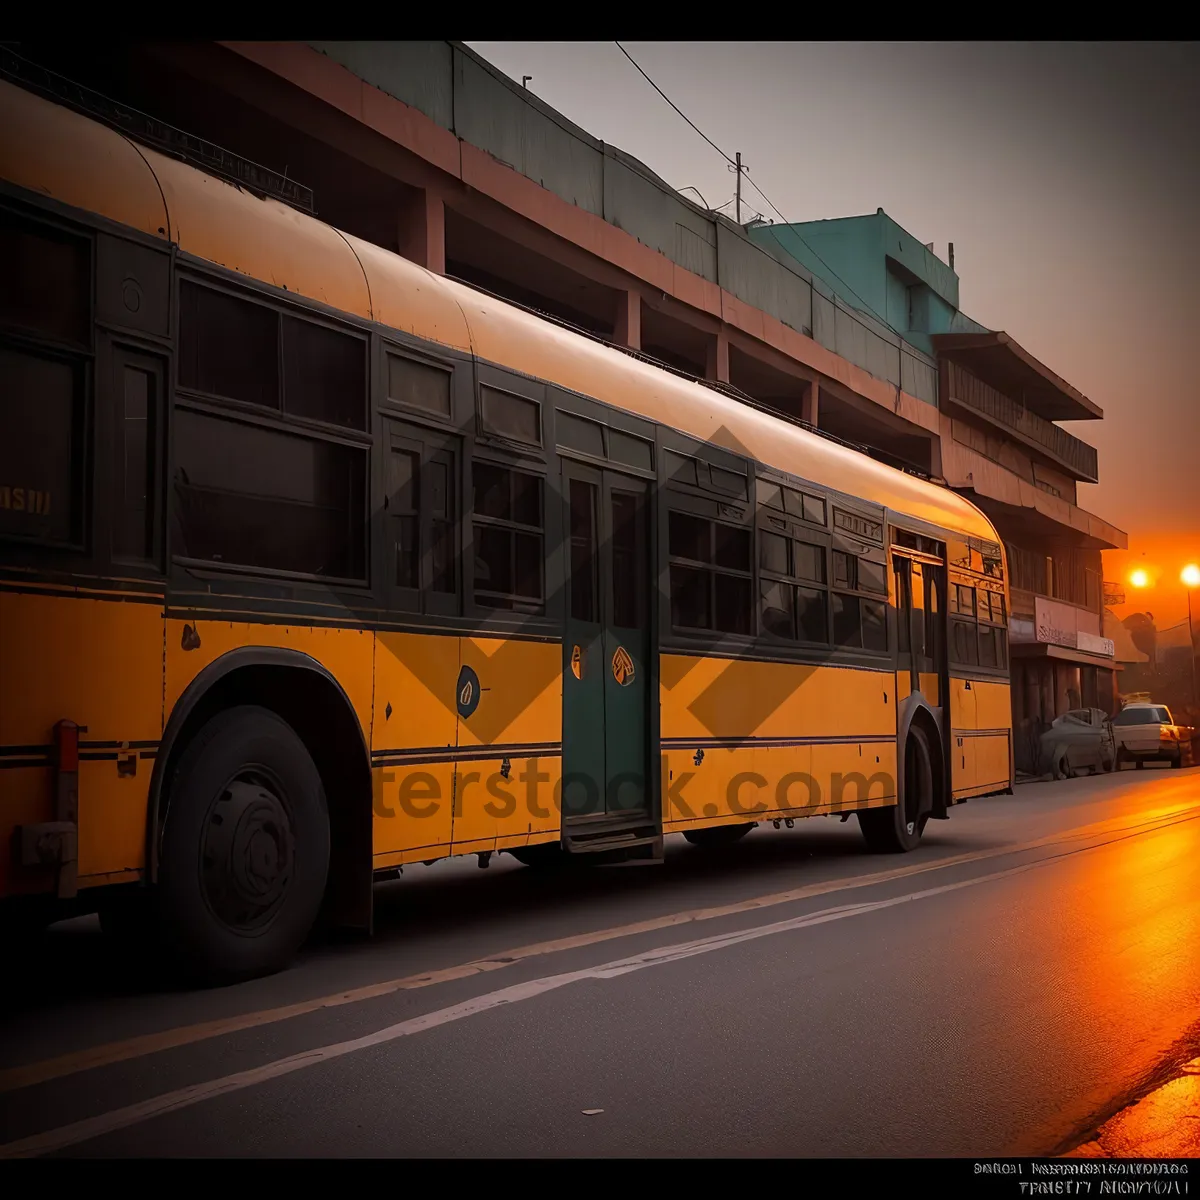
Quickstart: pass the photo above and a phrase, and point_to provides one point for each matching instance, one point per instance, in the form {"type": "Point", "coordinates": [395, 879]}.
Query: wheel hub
{"type": "Point", "coordinates": [247, 854]}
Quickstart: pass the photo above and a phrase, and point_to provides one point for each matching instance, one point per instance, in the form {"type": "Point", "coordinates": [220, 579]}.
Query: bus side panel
{"type": "Point", "coordinates": [414, 721]}
{"type": "Point", "coordinates": [993, 720]}
{"type": "Point", "coordinates": [799, 725]}
{"type": "Point", "coordinates": [519, 715]}
{"type": "Point", "coordinates": [97, 662]}
{"type": "Point", "coordinates": [962, 741]}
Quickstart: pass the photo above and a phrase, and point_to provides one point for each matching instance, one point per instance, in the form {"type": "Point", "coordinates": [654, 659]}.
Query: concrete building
{"type": "Point", "coordinates": [852, 326]}
{"type": "Point", "coordinates": [1000, 445]}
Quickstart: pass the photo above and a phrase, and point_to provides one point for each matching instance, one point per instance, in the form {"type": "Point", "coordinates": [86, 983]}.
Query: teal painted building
{"type": "Point", "coordinates": [875, 266]}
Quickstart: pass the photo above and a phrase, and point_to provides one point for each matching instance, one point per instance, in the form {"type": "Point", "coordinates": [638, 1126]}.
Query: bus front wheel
{"type": "Point", "coordinates": [245, 848]}
{"type": "Point", "coordinates": [898, 828]}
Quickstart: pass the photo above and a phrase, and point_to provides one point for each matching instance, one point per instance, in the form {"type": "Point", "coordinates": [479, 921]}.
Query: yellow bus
{"type": "Point", "coordinates": [314, 564]}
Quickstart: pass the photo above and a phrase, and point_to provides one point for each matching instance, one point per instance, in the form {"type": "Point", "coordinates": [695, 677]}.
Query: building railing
{"type": "Point", "coordinates": [1066, 449]}
{"type": "Point", "coordinates": [1062, 576]}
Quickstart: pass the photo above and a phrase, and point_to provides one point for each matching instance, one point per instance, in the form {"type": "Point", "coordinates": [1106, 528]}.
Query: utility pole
{"type": "Point", "coordinates": [738, 193]}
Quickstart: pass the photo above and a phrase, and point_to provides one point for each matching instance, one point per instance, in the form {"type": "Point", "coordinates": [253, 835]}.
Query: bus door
{"type": "Point", "coordinates": [607, 648]}
{"type": "Point", "coordinates": [919, 584]}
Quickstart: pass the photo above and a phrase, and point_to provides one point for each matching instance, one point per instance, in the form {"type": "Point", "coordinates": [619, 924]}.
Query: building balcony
{"type": "Point", "coordinates": [980, 399]}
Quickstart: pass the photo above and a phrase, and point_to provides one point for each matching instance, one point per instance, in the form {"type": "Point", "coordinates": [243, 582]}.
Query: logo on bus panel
{"type": "Point", "coordinates": [577, 662]}
{"type": "Point", "coordinates": [467, 690]}
{"type": "Point", "coordinates": [622, 667]}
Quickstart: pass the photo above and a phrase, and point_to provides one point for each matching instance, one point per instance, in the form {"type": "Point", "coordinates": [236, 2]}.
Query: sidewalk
{"type": "Point", "coordinates": [1164, 1124]}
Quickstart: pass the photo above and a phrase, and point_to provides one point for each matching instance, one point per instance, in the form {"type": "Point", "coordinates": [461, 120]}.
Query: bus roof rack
{"type": "Point", "coordinates": [151, 132]}
{"type": "Point", "coordinates": [727, 389]}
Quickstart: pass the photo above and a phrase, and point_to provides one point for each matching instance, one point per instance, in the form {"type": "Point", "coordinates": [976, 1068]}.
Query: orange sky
{"type": "Point", "coordinates": [1065, 174]}
{"type": "Point", "coordinates": [1162, 557]}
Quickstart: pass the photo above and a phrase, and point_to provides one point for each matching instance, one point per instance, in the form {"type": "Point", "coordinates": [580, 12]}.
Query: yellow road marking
{"type": "Point", "coordinates": [152, 1043]}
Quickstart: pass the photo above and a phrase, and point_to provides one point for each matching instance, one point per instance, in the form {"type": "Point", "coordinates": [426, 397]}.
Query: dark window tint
{"type": "Point", "coordinates": [680, 469]}
{"type": "Point", "coordinates": [989, 646]}
{"type": "Point", "coordinates": [418, 385]}
{"type": "Point", "coordinates": [776, 603]}
{"type": "Point", "coordinates": [810, 562]}
{"type": "Point", "coordinates": [845, 570]}
{"type": "Point", "coordinates": [46, 278]}
{"type": "Point", "coordinates": [793, 503]}
{"type": "Point", "coordinates": [41, 446]}
{"type": "Point", "coordinates": [964, 600]}
{"type": "Point", "coordinates": [441, 524]}
{"type": "Point", "coordinates": [228, 346]}
{"type": "Point", "coordinates": [727, 481]}
{"type": "Point", "coordinates": [257, 497]}
{"type": "Point", "coordinates": [508, 558]}
{"type": "Point", "coordinates": [872, 577]}
{"type": "Point", "coordinates": [733, 604]}
{"type": "Point", "coordinates": [135, 440]}
{"type": "Point", "coordinates": [690, 601]}
{"type": "Point", "coordinates": [626, 448]}
{"type": "Point", "coordinates": [847, 621]}
{"type": "Point", "coordinates": [403, 491]}
{"type": "Point", "coordinates": [963, 647]}
{"type": "Point", "coordinates": [773, 553]}
{"type": "Point", "coordinates": [493, 491]}
{"type": "Point", "coordinates": [690, 537]}
{"type": "Point", "coordinates": [814, 509]}
{"type": "Point", "coordinates": [324, 374]}
{"type": "Point", "coordinates": [628, 560]}
{"type": "Point", "coordinates": [768, 494]}
{"type": "Point", "coordinates": [811, 617]}
{"type": "Point", "coordinates": [510, 416]}
{"type": "Point", "coordinates": [584, 600]}
{"type": "Point", "coordinates": [733, 547]}
{"type": "Point", "coordinates": [874, 625]}
{"type": "Point", "coordinates": [580, 434]}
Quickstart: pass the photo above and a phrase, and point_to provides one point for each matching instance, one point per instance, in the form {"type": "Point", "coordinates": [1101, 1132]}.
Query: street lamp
{"type": "Point", "coordinates": [1191, 580]}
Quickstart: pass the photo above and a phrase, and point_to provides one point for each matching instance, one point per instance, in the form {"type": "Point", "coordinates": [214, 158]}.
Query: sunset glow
{"type": "Point", "coordinates": [1139, 578]}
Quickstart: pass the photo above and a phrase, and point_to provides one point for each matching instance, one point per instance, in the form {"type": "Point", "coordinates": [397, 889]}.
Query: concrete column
{"type": "Point", "coordinates": [422, 231]}
{"type": "Point", "coordinates": [716, 368]}
{"type": "Point", "coordinates": [627, 328]}
{"type": "Point", "coordinates": [812, 404]}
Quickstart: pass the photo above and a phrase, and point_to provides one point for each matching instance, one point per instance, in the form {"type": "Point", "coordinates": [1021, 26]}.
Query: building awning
{"type": "Point", "coordinates": [998, 360]}
{"type": "Point", "coordinates": [1062, 653]}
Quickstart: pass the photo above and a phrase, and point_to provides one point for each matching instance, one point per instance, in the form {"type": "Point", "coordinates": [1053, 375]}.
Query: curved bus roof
{"type": "Point", "coordinates": [55, 152]}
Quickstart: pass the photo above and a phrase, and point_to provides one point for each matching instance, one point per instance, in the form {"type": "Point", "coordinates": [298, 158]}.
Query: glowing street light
{"type": "Point", "coordinates": [1139, 578]}
{"type": "Point", "coordinates": [1191, 575]}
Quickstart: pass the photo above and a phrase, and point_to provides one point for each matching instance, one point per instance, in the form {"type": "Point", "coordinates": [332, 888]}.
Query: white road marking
{"type": "Point", "coordinates": [133, 1114]}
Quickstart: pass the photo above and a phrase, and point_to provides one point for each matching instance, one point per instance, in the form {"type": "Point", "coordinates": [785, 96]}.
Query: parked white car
{"type": "Point", "coordinates": [1147, 733]}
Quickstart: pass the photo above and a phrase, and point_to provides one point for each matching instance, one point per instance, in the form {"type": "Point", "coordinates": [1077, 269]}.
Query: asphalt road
{"type": "Point", "coordinates": [1026, 972]}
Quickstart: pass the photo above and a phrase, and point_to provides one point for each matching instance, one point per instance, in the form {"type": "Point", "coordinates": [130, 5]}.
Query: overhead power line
{"type": "Point", "coordinates": [741, 170]}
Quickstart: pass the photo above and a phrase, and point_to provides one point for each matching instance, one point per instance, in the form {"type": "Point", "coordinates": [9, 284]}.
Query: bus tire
{"type": "Point", "coordinates": [897, 828]}
{"type": "Point", "coordinates": [245, 849]}
{"type": "Point", "coordinates": [718, 836]}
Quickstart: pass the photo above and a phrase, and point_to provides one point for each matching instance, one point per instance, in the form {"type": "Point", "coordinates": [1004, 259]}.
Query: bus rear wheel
{"type": "Point", "coordinates": [245, 849]}
{"type": "Point", "coordinates": [719, 835]}
{"type": "Point", "coordinates": [898, 828]}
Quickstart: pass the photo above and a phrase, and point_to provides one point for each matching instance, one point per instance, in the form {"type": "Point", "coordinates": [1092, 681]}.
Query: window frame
{"type": "Point", "coordinates": [196, 272]}
{"type": "Point", "coordinates": [522, 607]}
{"type": "Point", "coordinates": [430, 445]}
{"type": "Point", "coordinates": [82, 357]}
{"type": "Point", "coordinates": [707, 508]}
{"type": "Point", "coordinates": [793, 529]}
